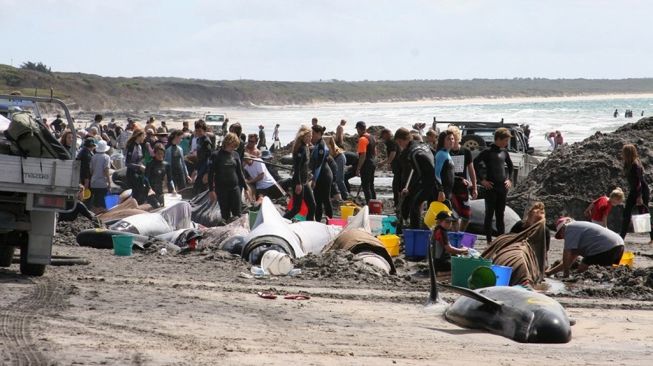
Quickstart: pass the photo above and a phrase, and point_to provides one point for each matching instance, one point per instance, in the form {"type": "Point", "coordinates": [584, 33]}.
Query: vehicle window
{"type": "Point", "coordinates": [520, 143]}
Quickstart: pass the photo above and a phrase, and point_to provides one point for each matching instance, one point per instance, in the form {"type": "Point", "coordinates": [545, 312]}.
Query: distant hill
{"type": "Point", "coordinates": [92, 92]}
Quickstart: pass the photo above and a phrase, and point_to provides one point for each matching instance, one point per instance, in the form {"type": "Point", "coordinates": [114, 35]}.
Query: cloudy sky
{"type": "Point", "coordinates": [347, 40]}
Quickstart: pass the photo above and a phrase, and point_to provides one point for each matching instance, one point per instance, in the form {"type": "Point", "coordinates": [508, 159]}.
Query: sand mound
{"type": "Point", "coordinates": [574, 175]}
{"type": "Point", "coordinates": [67, 231]}
{"type": "Point", "coordinates": [620, 282]}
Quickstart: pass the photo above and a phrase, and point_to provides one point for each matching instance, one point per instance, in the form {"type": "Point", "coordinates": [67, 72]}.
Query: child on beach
{"type": "Point", "coordinates": [440, 251]}
{"type": "Point", "coordinates": [600, 208]}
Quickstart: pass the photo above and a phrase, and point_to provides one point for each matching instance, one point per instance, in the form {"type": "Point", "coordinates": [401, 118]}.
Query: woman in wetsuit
{"type": "Point", "coordinates": [638, 191]}
{"type": "Point", "coordinates": [135, 167]}
{"type": "Point", "coordinates": [444, 168]}
{"type": "Point", "coordinates": [174, 157]}
{"type": "Point", "coordinates": [226, 177]}
{"type": "Point", "coordinates": [301, 189]}
{"type": "Point", "coordinates": [322, 174]}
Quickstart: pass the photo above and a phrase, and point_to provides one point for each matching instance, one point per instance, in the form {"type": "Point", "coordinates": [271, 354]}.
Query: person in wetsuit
{"type": "Point", "coordinates": [226, 178]}
{"type": "Point", "coordinates": [322, 174]}
{"type": "Point", "coordinates": [155, 172]}
{"type": "Point", "coordinates": [392, 162]}
{"type": "Point", "coordinates": [444, 167]}
{"type": "Point", "coordinates": [464, 184]}
{"type": "Point", "coordinates": [638, 190]}
{"type": "Point", "coordinates": [135, 167]}
{"type": "Point", "coordinates": [301, 189]}
{"type": "Point", "coordinates": [495, 180]}
{"type": "Point", "coordinates": [177, 170]}
{"type": "Point", "coordinates": [203, 154]}
{"type": "Point", "coordinates": [415, 157]}
{"type": "Point", "coordinates": [366, 160]}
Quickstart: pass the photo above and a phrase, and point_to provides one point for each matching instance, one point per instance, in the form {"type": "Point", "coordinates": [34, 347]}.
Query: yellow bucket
{"type": "Point", "coordinates": [87, 194]}
{"type": "Point", "coordinates": [434, 209]}
{"type": "Point", "coordinates": [391, 243]}
{"type": "Point", "coordinates": [347, 210]}
{"type": "Point", "coordinates": [627, 259]}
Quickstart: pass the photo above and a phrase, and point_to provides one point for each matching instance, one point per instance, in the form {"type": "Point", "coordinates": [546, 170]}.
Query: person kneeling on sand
{"type": "Point", "coordinates": [260, 177]}
{"type": "Point", "coordinates": [441, 250]}
{"type": "Point", "coordinates": [600, 208]}
{"type": "Point", "coordinates": [596, 244]}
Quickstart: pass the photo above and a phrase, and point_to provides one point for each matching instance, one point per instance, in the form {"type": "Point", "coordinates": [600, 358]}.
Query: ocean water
{"type": "Point", "coordinates": [576, 117]}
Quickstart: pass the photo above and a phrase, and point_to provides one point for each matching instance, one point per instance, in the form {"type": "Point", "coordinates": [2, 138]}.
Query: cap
{"type": "Point", "coordinates": [445, 215]}
{"type": "Point", "coordinates": [560, 224]}
{"type": "Point", "coordinates": [360, 124]}
{"type": "Point", "coordinates": [89, 142]}
{"type": "Point", "coordinates": [266, 155]}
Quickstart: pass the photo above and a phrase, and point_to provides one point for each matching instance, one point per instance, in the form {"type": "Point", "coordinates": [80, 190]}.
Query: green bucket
{"type": "Point", "coordinates": [122, 245]}
{"type": "Point", "coordinates": [462, 268]}
{"type": "Point", "coordinates": [252, 218]}
{"type": "Point", "coordinates": [482, 277]}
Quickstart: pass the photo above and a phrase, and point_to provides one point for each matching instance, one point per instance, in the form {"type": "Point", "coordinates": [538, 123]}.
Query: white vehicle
{"type": "Point", "coordinates": [214, 122]}
{"type": "Point", "coordinates": [32, 191]}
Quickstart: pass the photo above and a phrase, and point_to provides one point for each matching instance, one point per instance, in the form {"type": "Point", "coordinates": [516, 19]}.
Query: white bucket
{"type": "Point", "coordinates": [276, 263]}
{"type": "Point", "coordinates": [375, 260]}
{"type": "Point", "coordinates": [641, 223]}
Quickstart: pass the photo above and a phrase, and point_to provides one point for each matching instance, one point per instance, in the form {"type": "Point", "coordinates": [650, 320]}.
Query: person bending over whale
{"type": "Point", "coordinates": [596, 244]}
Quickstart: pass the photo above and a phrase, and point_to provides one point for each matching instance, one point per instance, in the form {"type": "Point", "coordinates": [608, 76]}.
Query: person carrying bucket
{"type": "Point", "coordinates": [441, 250]}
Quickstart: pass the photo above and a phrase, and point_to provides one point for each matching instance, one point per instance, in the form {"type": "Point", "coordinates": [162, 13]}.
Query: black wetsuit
{"type": "Point", "coordinates": [368, 168]}
{"type": "Point", "coordinates": [300, 177]}
{"type": "Point", "coordinates": [84, 157]}
{"type": "Point", "coordinates": [390, 146]}
{"type": "Point", "coordinates": [204, 150]}
{"type": "Point", "coordinates": [423, 187]}
{"type": "Point", "coordinates": [226, 180]}
{"type": "Point", "coordinates": [637, 186]}
{"type": "Point", "coordinates": [352, 163]}
{"type": "Point", "coordinates": [323, 176]}
{"type": "Point", "coordinates": [155, 172]}
{"type": "Point", "coordinates": [496, 160]}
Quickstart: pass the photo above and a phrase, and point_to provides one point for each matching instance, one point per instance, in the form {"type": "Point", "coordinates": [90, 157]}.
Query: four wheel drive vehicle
{"type": "Point", "coordinates": [477, 136]}
{"type": "Point", "coordinates": [32, 188]}
{"type": "Point", "coordinates": [214, 122]}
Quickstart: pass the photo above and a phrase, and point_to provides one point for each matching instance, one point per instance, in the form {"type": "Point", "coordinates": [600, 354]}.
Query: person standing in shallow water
{"type": "Point", "coordinates": [301, 189]}
{"type": "Point", "coordinates": [495, 180]}
{"type": "Point", "coordinates": [638, 190]}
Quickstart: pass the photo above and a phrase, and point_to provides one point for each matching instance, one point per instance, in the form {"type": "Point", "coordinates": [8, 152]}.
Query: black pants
{"type": "Point", "coordinates": [98, 195]}
{"type": "Point", "coordinates": [412, 206]}
{"type": "Point", "coordinates": [350, 173]}
{"type": "Point", "coordinates": [138, 186]}
{"type": "Point", "coordinates": [495, 206]}
{"type": "Point", "coordinates": [367, 180]}
{"type": "Point", "coordinates": [199, 186]}
{"type": "Point", "coordinates": [80, 209]}
{"type": "Point", "coordinates": [305, 195]}
{"type": "Point", "coordinates": [229, 201]}
{"type": "Point", "coordinates": [396, 188]}
{"type": "Point", "coordinates": [323, 194]}
{"type": "Point", "coordinates": [628, 210]}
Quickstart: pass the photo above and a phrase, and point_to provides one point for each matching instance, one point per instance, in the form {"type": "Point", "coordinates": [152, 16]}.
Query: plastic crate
{"type": "Point", "coordinates": [389, 225]}
{"type": "Point", "coordinates": [416, 242]}
{"type": "Point", "coordinates": [459, 239]}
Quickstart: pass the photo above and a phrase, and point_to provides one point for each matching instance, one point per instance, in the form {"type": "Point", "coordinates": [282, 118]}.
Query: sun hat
{"type": "Point", "coordinates": [102, 147]}
{"type": "Point", "coordinates": [445, 215]}
{"type": "Point", "coordinates": [560, 224]}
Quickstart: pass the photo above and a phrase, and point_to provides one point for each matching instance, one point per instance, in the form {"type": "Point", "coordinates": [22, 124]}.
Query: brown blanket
{"type": "Point", "coordinates": [525, 252]}
{"type": "Point", "coordinates": [358, 240]}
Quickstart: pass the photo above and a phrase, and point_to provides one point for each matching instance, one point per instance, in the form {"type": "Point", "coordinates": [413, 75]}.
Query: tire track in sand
{"type": "Point", "coordinates": [16, 320]}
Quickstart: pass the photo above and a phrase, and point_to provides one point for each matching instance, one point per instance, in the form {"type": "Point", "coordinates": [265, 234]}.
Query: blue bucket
{"type": "Point", "coordinates": [416, 242]}
{"type": "Point", "coordinates": [503, 274]}
{"type": "Point", "coordinates": [122, 245]}
{"type": "Point", "coordinates": [111, 200]}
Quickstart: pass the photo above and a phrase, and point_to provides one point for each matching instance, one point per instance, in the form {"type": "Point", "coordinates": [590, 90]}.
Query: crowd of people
{"type": "Point", "coordinates": [433, 167]}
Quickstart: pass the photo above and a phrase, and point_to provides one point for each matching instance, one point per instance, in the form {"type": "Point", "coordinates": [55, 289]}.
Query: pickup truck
{"type": "Point", "coordinates": [32, 191]}
{"type": "Point", "coordinates": [477, 136]}
{"type": "Point", "coordinates": [214, 122]}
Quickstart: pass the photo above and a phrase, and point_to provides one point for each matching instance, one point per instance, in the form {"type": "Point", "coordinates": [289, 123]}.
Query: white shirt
{"type": "Point", "coordinates": [257, 168]}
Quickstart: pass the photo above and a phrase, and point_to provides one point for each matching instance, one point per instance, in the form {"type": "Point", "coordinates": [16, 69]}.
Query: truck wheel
{"type": "Point", "coordinates": [6, 255]}
{"type": "Point", "coordinates": [473, 142]}
{"type": "Point", "coordinates": [30, 269]}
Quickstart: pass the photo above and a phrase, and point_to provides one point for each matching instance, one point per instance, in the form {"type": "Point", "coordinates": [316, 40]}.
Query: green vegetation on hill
{"type": "Point", "coordinates": [93, 92]}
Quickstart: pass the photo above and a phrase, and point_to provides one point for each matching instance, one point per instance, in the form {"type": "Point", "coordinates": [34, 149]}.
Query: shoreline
{"type": "Point", "coordinates": [484, 100]}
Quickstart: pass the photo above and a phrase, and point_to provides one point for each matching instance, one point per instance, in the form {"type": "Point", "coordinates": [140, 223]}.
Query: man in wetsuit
{"type": "Point", "coordinates": [422, 187]}
{"type": "Point", "coordinates": [495, 179]}
{"type": "Point", "coordinates": [392, 162]}
{"type": "Point", "coordinates": [366, 162]}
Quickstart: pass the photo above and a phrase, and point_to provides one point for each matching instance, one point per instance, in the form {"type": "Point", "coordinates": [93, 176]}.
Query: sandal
{"type": "Point", "coordinates": [267, 295]}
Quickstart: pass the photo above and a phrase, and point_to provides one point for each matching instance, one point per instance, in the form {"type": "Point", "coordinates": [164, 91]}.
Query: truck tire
{"type": "Point", "coordinates": [473, 142]}
{"type": "Point", "coordinates": [30, 269]}
{"type": "Point", "coordinates": [6, 254]}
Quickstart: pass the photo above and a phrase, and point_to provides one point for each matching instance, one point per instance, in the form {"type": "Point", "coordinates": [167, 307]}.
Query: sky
{"type": "Point", "coordinates": [321, 40]}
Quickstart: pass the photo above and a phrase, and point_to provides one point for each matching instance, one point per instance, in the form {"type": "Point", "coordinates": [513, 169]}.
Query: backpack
{"type": "Point", "coordinates": [31, 138]}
